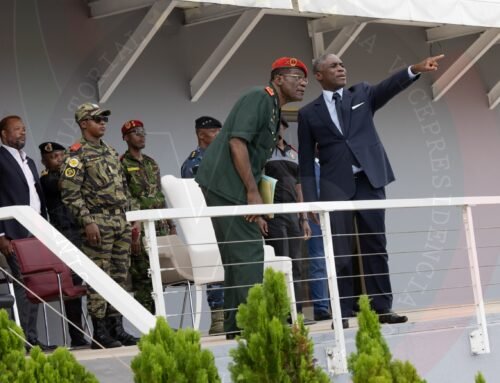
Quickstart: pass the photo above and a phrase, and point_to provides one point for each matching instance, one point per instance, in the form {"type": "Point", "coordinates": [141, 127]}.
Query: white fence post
{"type": "Point", "coordinates": [479, 341]}
{"type": "Point", "coordinates": [154, 264]}
{"type": "Point", "coordinates": [337, 357]}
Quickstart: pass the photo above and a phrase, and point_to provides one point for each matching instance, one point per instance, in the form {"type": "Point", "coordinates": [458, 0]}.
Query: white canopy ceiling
{"type": "Point", "coordinates": [442, 19]}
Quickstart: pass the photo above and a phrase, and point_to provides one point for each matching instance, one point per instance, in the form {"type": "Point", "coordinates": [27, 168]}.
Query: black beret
{"type": "Point", "coordinates": [206, 122]}
{"type": "Point", "coordinates": [49, 147]}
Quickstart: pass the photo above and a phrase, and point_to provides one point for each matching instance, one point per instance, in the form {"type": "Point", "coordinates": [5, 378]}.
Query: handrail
{"type": "Point", "coordinates": [141, 318]}
{"type": "Point", "coordinates": [285, 208]}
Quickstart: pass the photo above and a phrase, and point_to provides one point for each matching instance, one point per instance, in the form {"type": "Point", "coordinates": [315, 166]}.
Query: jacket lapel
{"type": "Point", "coordinates": [325, 115]}
{"type": "Point", "coordinates": [13, 163]}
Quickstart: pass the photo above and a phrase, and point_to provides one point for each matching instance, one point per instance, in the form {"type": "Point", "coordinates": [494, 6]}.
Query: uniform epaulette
{"type": "Point", "coordinates": [193, 154]}
{"type": "Point", "coordinates": [44, 172]}
{"type": "Point", "coordinates": [75, 147]}
{"type": "Point", "coordinates": [269, 90]}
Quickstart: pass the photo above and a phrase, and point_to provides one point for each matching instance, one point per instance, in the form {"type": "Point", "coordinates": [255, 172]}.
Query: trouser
{"type": "Point", "coordinates": [242, 258]}
{"type": "Point", "coordinates": [318, 284]}
{"type": "Point", "coordinates": [284, 234]}
{"type": "Point", "coordinates": [73, 309]}
{"type": "Point", "coordinates": [372, 240]}
{"type": "Point", "coordinates": [141, 281]}
{"type": "Point", "coordinates": [112, 255]}
{"type": "Point", "coordinates": [28, 311]}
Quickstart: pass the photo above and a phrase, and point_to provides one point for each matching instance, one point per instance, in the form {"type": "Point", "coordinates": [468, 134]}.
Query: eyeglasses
{"type": "Point", "coordinates": [297, 77]}
{"type": "Point", "coordinates": [137, 132]}
{"type": "Point", "coordinates": [97, 119]}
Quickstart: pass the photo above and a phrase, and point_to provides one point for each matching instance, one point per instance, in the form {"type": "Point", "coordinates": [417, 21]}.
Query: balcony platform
{"type": "Point", "coordinates": [435, 341]}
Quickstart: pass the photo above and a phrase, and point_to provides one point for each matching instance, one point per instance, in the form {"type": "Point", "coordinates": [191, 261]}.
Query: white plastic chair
{"type": "Point", "coordinates": [199, 235]}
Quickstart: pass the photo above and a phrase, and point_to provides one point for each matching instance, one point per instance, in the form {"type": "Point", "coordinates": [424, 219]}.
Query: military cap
{"type": "Point", "coordinates": [288, 63]}
{"type": "Point", "coordinates": [131, 125]}
{"type": "Point", "coordinates": [207, 122]}
{"type": "Point", "coordinates": [49, 147]}
{"type": "Point", "coordinates": [88, 109]}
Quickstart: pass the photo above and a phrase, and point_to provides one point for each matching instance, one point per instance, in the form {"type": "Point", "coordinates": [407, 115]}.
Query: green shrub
{"type": "Point", "coordinates": [480, 378]}
{"type": "Point", "coordinates": [269, 351]}
{"type": "Point", "coordinates": [59, 367]}
{"type": "Point", "coordinates": [372, 363]}
{"type": "Point", "coordinates": [173, 357]}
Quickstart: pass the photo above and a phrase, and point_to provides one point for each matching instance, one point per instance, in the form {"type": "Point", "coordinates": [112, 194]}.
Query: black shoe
{"type": "Point", "coordinates": [44, 347]}
{"type": "Point", "coordinates": [390, 317]}
{"type": "Point", "coordinates": [232, 335]}
{"type": "Point", "coordinates": [79, 342]}
{"type": "Point", "coordinates": [307, 322]}
{"type": "Point", "coordinates": [323, 315]}
{"type": "Point", "coordinates": [101, 335]}
{"type": "Point", "coordinates": [345, 324]}
{"type": "Point", "coordinates": [116, 330]}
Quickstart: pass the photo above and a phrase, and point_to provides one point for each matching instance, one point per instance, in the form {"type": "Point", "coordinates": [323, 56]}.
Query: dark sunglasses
{"type": "Point", "coordinates": [97, 119]}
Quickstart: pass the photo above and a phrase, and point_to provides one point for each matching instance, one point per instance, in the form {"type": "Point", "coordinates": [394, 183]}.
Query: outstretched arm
{"type": "Point", "coordinates": [428, 65]}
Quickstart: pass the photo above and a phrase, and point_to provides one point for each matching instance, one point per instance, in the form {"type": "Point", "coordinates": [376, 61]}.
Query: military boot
{"type": "Point", "coordinates": [217, 326]}
{"type": "Point", "coordinates": [102, 336]}
{"type": "Point", "coordinates": [117, 331]}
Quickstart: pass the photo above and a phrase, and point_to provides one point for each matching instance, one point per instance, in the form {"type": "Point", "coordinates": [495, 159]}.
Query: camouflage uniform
{"type": "Point", "coordinates": [143, 179]}
{"type": "Point", "coordinates": [94, 189]}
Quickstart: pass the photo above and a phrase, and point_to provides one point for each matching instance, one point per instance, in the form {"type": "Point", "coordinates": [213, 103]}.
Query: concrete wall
{"type": "Point", "coordinates": [52, 54]}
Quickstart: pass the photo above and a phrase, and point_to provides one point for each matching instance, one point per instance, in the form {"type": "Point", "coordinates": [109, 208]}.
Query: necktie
{"type": "Point", "coordinates": [338, 101]}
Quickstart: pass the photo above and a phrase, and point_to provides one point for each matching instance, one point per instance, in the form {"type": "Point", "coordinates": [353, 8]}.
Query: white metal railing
{"type": "Point", "coordinates": [337, 357]}
{"type": "Point", "coordinates": [141, 318]}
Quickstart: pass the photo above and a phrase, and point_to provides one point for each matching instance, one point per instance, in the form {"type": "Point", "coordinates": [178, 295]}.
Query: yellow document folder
{"type": "Point", "coordinates": [267, 187]}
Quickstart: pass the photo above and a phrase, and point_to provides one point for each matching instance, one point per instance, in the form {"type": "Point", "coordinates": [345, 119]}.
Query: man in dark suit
{"type": "Point", "coordinates": [19, 185]}
{"type": "Point", "coordinates": [354, 166]}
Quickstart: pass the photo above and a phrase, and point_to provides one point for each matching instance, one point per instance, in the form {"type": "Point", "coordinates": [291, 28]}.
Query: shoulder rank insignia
{"type": "Point", "coordinates": [44, 172]}
{"type": "Point", "coordinates": [73, 162]}
{"type": "Point", "coordinates": [269, 90]}
{"type": "Point", "coordinates": [133, 169]}
{"type": "Point", "coordinates": [193, 154]}
{"type": "Point", "coordinates": [75, 147]}
{"type": "Point", "coordinates": [69, 172]}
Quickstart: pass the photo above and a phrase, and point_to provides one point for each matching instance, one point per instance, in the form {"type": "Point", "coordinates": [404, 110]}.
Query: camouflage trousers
{"type": "Point", "coordinates": [141, 280]}
{"type": "Point", "coordinates": [112, 256]}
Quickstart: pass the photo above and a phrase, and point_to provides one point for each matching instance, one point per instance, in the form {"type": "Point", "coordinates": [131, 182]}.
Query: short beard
{"type": "Point", "coordinates": [17, 144]}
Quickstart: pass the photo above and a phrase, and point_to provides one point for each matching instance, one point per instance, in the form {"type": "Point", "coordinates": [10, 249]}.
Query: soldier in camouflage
{"type": "Point", "coordinates": [143, 179]}
{"type": "Point", "coordinates": [94, 189]}
{"type": "Point", "coordinates": [207, 129]}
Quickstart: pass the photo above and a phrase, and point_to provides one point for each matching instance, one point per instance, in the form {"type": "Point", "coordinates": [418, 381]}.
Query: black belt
{"type": "Point", "coordinates": [107, 210]}
{"type": "Point", "coordinates": [359, 174]}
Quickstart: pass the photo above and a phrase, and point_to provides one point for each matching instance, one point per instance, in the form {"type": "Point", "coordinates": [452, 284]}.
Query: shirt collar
{"type": "Point", "coordinates": [15, 152]}
{"type": "Point", "coordinates": [328, 94]}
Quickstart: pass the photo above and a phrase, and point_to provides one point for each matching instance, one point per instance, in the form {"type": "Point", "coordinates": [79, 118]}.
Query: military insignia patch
{"type": "Point", "coordinates": [48, 148]}
{"type": "Point", "coordinates": [70, 172]}
{"type": "Point", "coordinates": [76, 146]}
{"type": "Point", "coordinates": [73, 162]}
{"type": "Point", "coordinates": [133, 169]}
{"type": "Point", "coordinates": [269, 90]}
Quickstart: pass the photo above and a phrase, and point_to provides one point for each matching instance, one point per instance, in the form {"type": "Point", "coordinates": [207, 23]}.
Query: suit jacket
{"type": "Point", "coordinates": [14, 190]}
{"type": "Point", "coordinates": [359, 140]}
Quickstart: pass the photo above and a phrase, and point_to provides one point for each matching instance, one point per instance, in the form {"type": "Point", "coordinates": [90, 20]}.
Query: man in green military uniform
{"type": "Point", "coordinates": [94, 189]}
{"type": "Point", "coordinates": [143, 178]}
{"type": "Point", "coordinates": [231, 170]}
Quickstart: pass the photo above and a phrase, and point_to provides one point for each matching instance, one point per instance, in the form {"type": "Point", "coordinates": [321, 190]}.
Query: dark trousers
{"type": "Point", "coordinates": [242, 260]}
{"type": "Point", "coordinates": [28, 311]}
{"type": "Point", "coordinates": [284, 236]}
{"type": "Point", "coordinates": [73, 309]}
{"type": "Point", "coordinates": [372, 240]}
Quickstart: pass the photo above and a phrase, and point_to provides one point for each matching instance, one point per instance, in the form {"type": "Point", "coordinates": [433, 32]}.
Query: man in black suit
{"type": "Point", "coordinates": [19, 185]}
{"type": "Point", "coordinates": [354, 166]}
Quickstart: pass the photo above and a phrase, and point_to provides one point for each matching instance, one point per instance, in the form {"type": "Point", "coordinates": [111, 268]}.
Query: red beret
{"type": "Point", "coordinates": [289, 62]}
{"type": "Point", "coordinates": [131, 125]}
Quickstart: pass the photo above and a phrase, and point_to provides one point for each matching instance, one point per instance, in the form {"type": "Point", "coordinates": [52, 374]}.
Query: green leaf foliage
{"type": "Point", "coordinates": [59, 367]}
{"type": "Point", "coordinates": [372, 363]}
{"type": "Point", "coordinates": [269, 350]}
{"type": "Point", "coordinates": [480, 378]}
{"type": "Point", "coordinates": [168, 356]}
